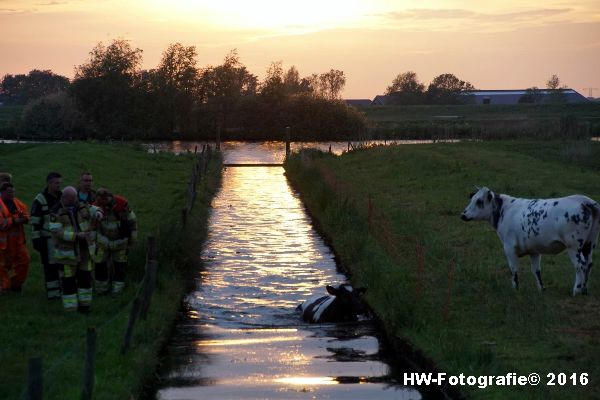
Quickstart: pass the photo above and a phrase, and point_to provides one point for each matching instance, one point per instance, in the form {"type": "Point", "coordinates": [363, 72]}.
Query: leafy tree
{"type": "Point", "coordinates": [311, 83]}
{"type": "Point", "coordinates": [553, 83]}
{"type": "Point", "coordinates": [176, 85]}
{"type": "Point", "coordinates": [106, 87]}
{"type": "Point", "coordinates": [406, 89]}
{"type": "Point", "coordinates": [332, 83]}
{"type": "Point", "coordinates": [448, 89]}
{"type": "Point", "coordinates": [273, 88]}
{"type": "Point", "coordinates": [293, 84]}
{"type": "Point", "coordinates": [52, 116]}
{"type": "Point", "coordinates": [558, 91]}
{"type": "Point", "coordinates": [20, 89]}
{"type": "Point", "coordinates": [222, 87]}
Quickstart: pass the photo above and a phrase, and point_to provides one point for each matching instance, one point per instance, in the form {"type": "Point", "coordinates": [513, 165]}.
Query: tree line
{"type": "Point", "coordinates": [112, 96]}
{"type": "Point", "coordinates": [449, 89]}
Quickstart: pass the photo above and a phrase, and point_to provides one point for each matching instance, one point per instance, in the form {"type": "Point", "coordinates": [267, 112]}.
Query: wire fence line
{"type": "Point", "coordinates": [380, 227]}
{"type": "Point", "coordinates": [138, 306]}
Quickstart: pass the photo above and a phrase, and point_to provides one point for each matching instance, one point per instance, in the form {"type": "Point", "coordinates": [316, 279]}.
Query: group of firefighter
{"type": "Point", "coordinates": [82, 235]}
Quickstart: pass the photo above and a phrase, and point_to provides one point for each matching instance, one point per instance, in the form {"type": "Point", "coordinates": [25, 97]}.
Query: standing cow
{"type": "Point", "coordinates": [543, 226]}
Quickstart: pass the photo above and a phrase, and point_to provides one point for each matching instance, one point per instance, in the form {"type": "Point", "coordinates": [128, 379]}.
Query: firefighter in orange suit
{"type": "Point", "coordinates": [14, 258]}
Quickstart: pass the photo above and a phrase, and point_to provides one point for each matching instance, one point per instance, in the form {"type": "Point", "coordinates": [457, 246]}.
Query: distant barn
{"type": "Point", "coordinates": [380, 100]}
{"type": "Point", "coordinates": [509, 97]}
{"type": "Point", "coordinates": [516, 96]}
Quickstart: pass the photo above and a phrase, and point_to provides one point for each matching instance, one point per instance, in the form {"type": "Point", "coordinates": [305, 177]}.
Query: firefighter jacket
{"type": "Point", "coordinates": [117, 230]}
{"type": "Point", "coordinates": [64, 226]}
{"type": "Point", "coordinates": [88, 198]}
{"type": "Point", "coordinates": [40, 214]}
{"type": "Point", "coordinates": [9, 231]}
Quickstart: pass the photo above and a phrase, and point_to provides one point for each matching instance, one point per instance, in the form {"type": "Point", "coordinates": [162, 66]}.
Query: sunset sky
{"type": "Point", "coordinates": [494, 44]}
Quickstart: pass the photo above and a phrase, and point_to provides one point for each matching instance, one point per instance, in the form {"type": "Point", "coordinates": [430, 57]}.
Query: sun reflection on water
{"type": "Point", "coordinates": [307, 380]}
{"type": "Point", "coordinates": [262, 258]}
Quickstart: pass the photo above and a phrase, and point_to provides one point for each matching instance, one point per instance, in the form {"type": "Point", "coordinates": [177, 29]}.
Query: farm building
{"type": "Point", "coordinates": [509, 96]}
{"type": "Point", "coordinates": [513, 96]}
{"type": "Point", "coordinates": [380, 100]}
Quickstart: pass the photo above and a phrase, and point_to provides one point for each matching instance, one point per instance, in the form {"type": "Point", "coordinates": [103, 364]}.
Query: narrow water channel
{"type": "Point", "coordinates": [241, 337]}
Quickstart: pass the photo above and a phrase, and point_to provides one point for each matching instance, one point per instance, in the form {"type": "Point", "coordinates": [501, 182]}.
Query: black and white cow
{"type": "Point", "coordinates": [542, 226]}
{"type": "Point", "coordinates": [344, 303]}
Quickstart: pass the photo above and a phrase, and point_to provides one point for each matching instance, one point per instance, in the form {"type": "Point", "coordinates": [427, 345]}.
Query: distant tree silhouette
{"type": "Point", "coordinates": [406, 89]}
{"type": "Point", "coordinates": [332, 83]}
{"type": "Point", "coordinates": [448, 89]}
{"type": "Point", "coordinates": [177, 87]}
{"type": "Point", "coordinates": [558, 91]}
{"type": "Point", "coordinates": [20, 89]}
{"type": "Point", "coordinates": [105, 87]}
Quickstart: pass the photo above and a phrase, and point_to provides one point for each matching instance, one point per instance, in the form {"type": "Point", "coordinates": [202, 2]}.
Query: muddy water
{"type": "Point", "coordinates": [241, 337]}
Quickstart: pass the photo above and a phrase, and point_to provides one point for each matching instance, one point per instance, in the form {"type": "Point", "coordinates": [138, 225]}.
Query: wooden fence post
{"type": "Point", "coordinates": [149, 284]}
{"type": "Point", "coordinates": [35, 383]}
{"type": "Point", "coordinates": [90, 364]}
{"type": "Point", "coordinates": [132, 317]}
{"type": "Point", "coordinates": [287, 141]}
{"type": "Point", "coordinates": [149, 277]}
{"type": "Point", "coordinates": [218, 139]}
{"type": "Point", "coordinates": [151, 253]}
{"type": "Point", "coordinates": [420, 253]}
{"type": "Point", "coordinates": [370, 210]}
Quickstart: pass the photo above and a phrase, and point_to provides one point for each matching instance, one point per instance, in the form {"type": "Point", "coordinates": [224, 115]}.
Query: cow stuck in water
{"type": "Point", "coordinates": [344, 303]}
{"type": "Point", "coordinates": [542, 226]}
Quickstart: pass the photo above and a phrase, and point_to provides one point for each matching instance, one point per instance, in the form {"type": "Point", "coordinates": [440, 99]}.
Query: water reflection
{"type": "Point", "coordinates": [241, 337]}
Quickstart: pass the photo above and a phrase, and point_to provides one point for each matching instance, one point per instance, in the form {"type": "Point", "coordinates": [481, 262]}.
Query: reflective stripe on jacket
{"type": "Point", "coordinates": [40, 214]}
{"type": "Point", "coordinates": [115, 233]}
{"type": "Point", "coordinates": [65, 226]}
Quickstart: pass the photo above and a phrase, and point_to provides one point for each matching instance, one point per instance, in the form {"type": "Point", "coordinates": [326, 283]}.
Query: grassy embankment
{"type": "Point", "coordinates": [444, 284]}
{"type": "Point", "coordinates": [32, 326]}
{"type": "Point", "coordinates": [483, 121]}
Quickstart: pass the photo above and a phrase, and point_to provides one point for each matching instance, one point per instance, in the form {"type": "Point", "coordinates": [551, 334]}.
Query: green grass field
{"type": "Point", "coordinates": [444, 284]}
{"type": "Point", "coordinates": [482, 112]}
{"type": "Point", "coordinates": [486, 122]}
{"type": "Point", "coordinates": [32, 326]}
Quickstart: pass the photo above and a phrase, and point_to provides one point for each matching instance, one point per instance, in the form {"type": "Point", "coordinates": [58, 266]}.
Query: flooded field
{"type": "Point", "coordinates": [241, 336]}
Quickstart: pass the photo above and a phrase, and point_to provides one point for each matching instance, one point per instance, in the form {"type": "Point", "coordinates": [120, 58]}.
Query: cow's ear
{"type": "Point", "coordinates": [489, 195]}
{"type": "Point", "coordinates": [331, 290]}
{"type": "Point", "coordinates": [361, 290]}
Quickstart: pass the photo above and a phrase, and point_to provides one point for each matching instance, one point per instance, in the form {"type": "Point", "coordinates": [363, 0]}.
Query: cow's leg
{"type": "Point", "coordinates": [536, 270]}
{"type": "Point", "coordinates": [587, 250]}
{"type": "Point", "coordinates": [513, 264]}
{"type": "Point", "coordinates": [587, 277]}
{"type": "Point", "coordinates": [579, 263]}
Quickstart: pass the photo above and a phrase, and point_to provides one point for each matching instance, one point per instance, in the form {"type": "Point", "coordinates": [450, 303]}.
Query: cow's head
{"type": "Point", "coordinates": [348, 298]}
{"type": "Point", "coordinates": [481, 206]}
